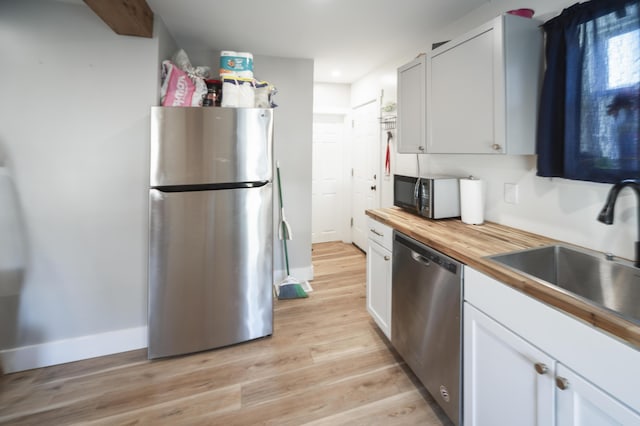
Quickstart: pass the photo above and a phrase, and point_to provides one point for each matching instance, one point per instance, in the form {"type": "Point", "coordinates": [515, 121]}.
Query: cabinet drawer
{"type": "Point", "coordinates": [380, 233]}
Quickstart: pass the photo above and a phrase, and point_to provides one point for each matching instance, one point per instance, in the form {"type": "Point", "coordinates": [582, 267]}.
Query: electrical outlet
{"type": "Point", "coordinates": [511, 193]}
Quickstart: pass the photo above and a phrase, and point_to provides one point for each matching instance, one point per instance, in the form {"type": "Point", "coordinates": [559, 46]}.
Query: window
{"type": "Point", "coordinates": [588, 125]}
{"type": "Point", "coordinates": [623, 51]}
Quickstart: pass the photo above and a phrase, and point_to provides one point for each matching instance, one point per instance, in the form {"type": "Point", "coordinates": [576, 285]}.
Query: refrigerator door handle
{"type": "Point", "coordinates": [211, 186]}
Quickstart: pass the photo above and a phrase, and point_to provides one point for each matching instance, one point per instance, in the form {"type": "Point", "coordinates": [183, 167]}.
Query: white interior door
{"type": "Point", "coordinates": [366, 168]}
{"type": "Point", "coordinates": [328, 187]}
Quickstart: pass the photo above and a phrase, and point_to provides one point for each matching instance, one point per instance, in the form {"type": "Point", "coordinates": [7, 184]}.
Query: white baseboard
{"type": "Point", "coordinates": [305, 273]}
{"type": "Point", "coordinates": [75, 349]}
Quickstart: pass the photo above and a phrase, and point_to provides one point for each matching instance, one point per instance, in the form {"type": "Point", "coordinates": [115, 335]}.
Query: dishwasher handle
{"type": "Point", "coordinates": [426, 256]}
{"type": "Point", "coordinates": [420, 258]}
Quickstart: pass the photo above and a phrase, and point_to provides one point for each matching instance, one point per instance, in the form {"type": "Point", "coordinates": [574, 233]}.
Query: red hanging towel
{"type": "Point", "coordinates": [387, 160]}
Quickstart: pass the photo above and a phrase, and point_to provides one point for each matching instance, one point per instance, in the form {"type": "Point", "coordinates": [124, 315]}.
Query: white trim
{"type": "Point", "coordinates": [332, 111]}
{"type": "Point", "coordinates": [74, 349]}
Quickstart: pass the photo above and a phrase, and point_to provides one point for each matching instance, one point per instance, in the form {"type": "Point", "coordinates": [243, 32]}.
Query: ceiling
{"type": "Point", "coordinates": [346, 38]}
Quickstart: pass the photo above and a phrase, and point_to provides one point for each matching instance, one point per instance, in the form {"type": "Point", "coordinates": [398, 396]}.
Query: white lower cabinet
{"type": "Point", "coordinates": [379, 261]}
{"type": "Point", "coordinates": [579, 402]}
{"type": "Point", "coordinates": [507, 381]}
{"type": "Point", "coordinates": [526, 363]}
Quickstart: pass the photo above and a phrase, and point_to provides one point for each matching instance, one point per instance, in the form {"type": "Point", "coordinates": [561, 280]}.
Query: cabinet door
{"type": "Point", "coordinates": [462, 91]}
{"type": "Point", "coordinates": [379, 286]}
{"type": "Point", "coordinates": [411, 107]}
{"type": "Point", "coordinates": [507, 381]}
{"type": "Point", "coordinates": [579, 402]}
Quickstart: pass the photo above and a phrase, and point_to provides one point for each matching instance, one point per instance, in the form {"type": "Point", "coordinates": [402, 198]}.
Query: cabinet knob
{"type": "Point", "coordinates": [496, 147]}
{"type": "Point", "coordinates": [541, 368]}
{"type": "Point", "coordinates": [387, 258]}
{"type": "Point", "coordinates": [373, 187]}
{"type": "Point", "coordinates": [421, 148]}
{"type": "Point", "coordinates": [562, 383]}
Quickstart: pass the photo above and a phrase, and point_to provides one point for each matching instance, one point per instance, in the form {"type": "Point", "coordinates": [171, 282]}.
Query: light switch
{"type": "Point", "coordinates": [511, 193]}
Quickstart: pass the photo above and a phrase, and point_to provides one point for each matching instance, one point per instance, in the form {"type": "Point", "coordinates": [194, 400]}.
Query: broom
{"type": "Point", "coordinates": [290, 287]}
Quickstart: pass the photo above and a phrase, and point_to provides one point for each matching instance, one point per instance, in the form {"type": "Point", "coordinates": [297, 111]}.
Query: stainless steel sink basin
{"type": "Point", "coordinates": [613, 284]}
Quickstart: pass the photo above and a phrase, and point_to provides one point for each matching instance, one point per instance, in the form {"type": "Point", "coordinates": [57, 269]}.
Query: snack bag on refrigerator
{"type": "Point", "coordinates": [179, 88]}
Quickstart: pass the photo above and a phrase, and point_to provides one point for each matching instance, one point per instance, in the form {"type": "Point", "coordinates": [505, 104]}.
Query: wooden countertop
{"type": "Point", "coordinates": [470, 244]}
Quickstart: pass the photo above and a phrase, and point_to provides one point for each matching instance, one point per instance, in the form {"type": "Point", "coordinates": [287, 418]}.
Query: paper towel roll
{"type": "Point", "coordinates": [471, 201]}
{"type": "Point", "coordinates": [236, 64]}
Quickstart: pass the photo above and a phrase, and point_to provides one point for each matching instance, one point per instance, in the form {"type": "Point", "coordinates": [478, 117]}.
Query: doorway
{"type": "Point", "coordinates": [365, 168]}
{"type": "Point", "coordinates": [329, 186]}
{"type": "Point", "coordinates": [346, 174]}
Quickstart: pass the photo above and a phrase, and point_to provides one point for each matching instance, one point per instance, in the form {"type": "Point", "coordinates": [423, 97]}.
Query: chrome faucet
{"type": "Point", "coordinates": [606, 215]}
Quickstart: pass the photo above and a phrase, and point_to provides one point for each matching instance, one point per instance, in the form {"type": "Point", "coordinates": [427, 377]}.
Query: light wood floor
{"type": "Point", "coordinates": [326, 364]}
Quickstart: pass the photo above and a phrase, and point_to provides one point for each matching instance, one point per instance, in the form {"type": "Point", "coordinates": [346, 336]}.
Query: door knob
{"type": "Point", "coordinates": [373, 188]}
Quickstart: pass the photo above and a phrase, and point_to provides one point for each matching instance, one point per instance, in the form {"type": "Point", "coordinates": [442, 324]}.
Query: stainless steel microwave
{"type": "Point", "coordinates": [433, 197]}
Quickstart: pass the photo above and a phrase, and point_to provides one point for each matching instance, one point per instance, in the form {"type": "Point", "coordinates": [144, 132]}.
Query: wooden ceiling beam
{"type": "Point", "coordinates": [125, 17]}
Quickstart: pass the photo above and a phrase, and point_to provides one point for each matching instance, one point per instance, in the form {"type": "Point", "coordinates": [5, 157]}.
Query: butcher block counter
{"type": "Point", "coordinates": [470, 244]}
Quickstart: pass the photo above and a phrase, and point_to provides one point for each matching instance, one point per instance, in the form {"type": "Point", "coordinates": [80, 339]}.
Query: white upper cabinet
{"type": "Point", "coordinates": [411, 107]}
{"type": "Point", "coordinates": [483, 88]}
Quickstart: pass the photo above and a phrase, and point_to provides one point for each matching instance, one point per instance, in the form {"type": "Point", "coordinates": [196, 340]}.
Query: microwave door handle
{"type": "Point", "coordinates": [416, 194]}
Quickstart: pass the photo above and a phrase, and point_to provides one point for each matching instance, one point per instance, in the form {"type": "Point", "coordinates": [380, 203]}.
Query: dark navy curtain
{"type": "Point", "coordinates": [588, 126]}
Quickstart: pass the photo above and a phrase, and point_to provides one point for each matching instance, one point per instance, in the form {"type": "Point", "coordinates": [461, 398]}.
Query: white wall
{"type": "Point", "coordinates": [74, 128]}
{"type": "Point", "coordinates": [167, 46]}
{"type": "Point", "coordinates": [331, 98]}
{"type": "Point", "coordinates": [557, 208]}
{"type": "Point", "coordinates": [292, 148]}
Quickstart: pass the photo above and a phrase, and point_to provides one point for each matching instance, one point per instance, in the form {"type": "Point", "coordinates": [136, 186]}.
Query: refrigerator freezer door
{"type": "Point", "coordinates": [210, 269]}
{"type": "Point", "coordinates": [195, 146]}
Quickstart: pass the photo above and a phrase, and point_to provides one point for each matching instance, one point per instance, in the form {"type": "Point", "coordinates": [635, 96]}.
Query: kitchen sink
{"type": "Point", "coordinates": [611, 283]}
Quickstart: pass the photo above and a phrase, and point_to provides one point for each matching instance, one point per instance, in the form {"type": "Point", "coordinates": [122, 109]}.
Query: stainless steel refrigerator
{"type": "Point", "coordinates": [211, 228]}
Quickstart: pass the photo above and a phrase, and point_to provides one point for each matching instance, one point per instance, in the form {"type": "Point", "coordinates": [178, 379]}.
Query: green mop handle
{"type": "Point", "coordinates": [284, 230]}
{"type": "Point", "coordinates": [286, 255]}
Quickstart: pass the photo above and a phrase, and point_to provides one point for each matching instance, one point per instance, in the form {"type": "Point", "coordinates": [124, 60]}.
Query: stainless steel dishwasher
{"type": "Point", "coordinates": [426, 319]}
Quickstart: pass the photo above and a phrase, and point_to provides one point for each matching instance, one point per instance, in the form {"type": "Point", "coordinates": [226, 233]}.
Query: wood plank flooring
{"type": "Point", "coordinates": [326, 364]}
